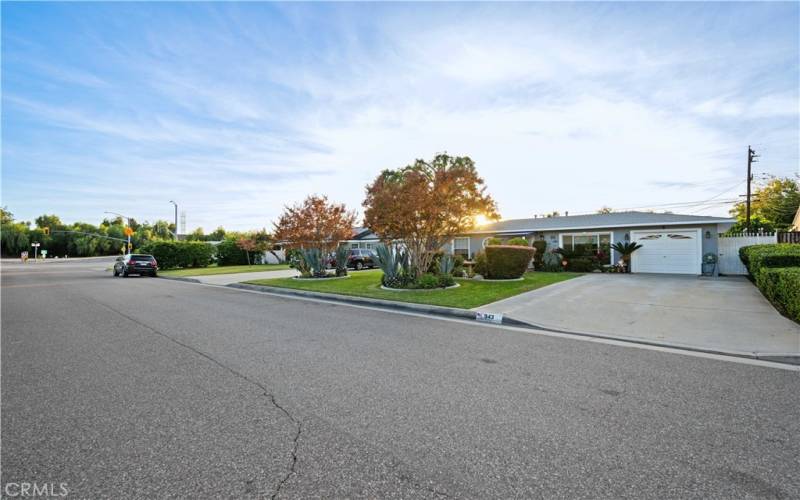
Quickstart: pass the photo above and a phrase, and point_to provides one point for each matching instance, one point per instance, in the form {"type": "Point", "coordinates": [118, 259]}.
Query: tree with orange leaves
{"type": "Point", "coordinates": [426, 204]}
{"type": "Point", "coordinates": [315, 223]}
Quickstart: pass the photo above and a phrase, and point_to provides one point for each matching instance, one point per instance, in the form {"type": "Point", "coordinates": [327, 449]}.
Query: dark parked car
{"type": "Point", "coordinates": [358, 259]}
{"type": "Point", "coordinates": [136, 264]}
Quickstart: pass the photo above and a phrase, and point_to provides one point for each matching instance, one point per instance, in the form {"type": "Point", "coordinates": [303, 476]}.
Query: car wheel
{"type": "Point", "coordinates": [359, 266]}
{"type": "Point", "coordinates": [154, 274]}
{"type": "Point", "coordinates": [116, 273]}
{"type": "Point", "coordinates": [125, 273]}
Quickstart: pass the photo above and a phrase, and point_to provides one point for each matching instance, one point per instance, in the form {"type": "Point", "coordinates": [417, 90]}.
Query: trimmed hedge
{"type": "Point", "coordinates": [581, 265]}
{"type": "Point", "coordinates": [172, 254]}
{"type": "Point", "coordinates": [518, 241]}
{"type": "Point", "coordinates": [507, 261]}
{"type": "Point", "coordinates": [229, 254]}
{"type": "Point", "coordinates": [758, 257]}
{"type": "Point", "coordinates": [781, 285]}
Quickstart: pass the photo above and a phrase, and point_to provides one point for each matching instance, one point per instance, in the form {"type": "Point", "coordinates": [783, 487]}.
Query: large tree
{"type": "Point", "coordinates": [426, 204]}
{"type": "Point", "coordinates": [315, 223]}
{"type": "Point", "coordinates": [773, 205]}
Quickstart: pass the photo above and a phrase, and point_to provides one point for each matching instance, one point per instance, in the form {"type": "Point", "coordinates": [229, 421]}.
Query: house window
{"type": "Point", "coordinates": [587, 244]}
{"type": "Point", "coordinates": [461, 247]}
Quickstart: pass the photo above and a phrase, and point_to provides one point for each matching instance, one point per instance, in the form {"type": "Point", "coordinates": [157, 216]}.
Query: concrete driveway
{"type": "Point", "coordinates": [724, 313]}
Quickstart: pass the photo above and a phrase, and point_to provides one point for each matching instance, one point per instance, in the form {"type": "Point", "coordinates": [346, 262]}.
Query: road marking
{"type": "Point", "coordinates": [598, 340]}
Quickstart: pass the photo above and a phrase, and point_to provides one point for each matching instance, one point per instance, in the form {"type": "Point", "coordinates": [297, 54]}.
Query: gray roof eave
{"type": "Point", "coordinates": [607, 226]}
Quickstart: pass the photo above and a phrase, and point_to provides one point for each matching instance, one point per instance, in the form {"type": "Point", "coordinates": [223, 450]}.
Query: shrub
{"type": "Point", "coordinates": [446, 280]}
{"type": "Point", "coordinates": [494, 241]}
{"type": "Point", "coordinates": [551, 262]}
{"type": "Point", "coordinates": [458, 265]}
{"type": "Point", "coordinates": [781, 285]}
{"type": "Point", "coordinates": [541, 248]}
{"type": "Point", "coordinates": [581, 265]}
{"type": "Point", "coordinates": [427, 281]}
{"type": "Point", "coordinates": [172, 254]}
{"type": "Point", "coordinates": [507, 261]}
{"type": "Point", "coordinates": [481, 264]}
{"type": "Point", "coordinates": [758, 257]}
{"type": "Point", "coordinates": [229, 254]}
{"type": "Point", "coordinates": [433, 267]}
{"type": "Point", "coordinates": [518, 241]}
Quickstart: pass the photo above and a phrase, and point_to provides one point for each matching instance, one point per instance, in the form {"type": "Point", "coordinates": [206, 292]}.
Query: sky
{"type": "Point", "coordinates": [234, 110]}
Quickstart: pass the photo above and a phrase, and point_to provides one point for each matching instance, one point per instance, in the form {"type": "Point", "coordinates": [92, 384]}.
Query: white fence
{"type": "Point", "coordinates": [728, 250]}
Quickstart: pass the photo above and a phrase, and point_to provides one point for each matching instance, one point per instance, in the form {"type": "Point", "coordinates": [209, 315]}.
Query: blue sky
{"type": "Point", "coordinates": [234, 110]}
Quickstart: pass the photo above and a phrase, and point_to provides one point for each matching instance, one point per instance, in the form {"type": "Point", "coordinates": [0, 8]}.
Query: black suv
{"type": "Point", "coordinates": [136, 264]}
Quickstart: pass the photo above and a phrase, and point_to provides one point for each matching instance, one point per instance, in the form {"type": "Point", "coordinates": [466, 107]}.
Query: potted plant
{"type": "Point", "coordinates": [626, 249]}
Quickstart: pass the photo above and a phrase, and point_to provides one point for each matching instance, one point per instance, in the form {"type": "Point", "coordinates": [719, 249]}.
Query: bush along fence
{"type": "Point", "coordinates": [172, 254]}
{"type": "Point", "coordinates": [776, 271]}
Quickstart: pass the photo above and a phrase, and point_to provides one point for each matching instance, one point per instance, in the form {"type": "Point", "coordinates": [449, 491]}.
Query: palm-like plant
{"type": "Point", "coordinates": [626, 249]}
{"type": "Point", "coordinates": [342, 253]}
{"type": "Point", "coordinates": [313, 258]}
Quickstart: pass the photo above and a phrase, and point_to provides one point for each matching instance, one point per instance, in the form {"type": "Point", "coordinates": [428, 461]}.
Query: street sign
{"type": "Point", "coordinates": [44, 253]}
{"type": "Point", "coordinates": [36, 245]}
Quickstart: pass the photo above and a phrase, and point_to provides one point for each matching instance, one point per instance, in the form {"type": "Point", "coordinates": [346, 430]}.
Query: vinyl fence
{"type": "Point", "coordinates": [789, 237]}
{"type": "Point", "coordinates": [728, 249]}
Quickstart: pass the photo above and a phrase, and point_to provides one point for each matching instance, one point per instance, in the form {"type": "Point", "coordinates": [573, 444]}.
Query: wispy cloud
{"type": "Point", "coordinates": [238, 109]}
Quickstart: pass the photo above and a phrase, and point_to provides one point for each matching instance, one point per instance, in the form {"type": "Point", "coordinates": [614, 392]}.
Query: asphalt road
{"type": "Point", "coordinates": [150, 388]}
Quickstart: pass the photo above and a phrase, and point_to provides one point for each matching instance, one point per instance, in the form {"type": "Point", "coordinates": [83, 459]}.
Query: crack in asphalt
{"type": "Point", "coordinates": [266, 393]}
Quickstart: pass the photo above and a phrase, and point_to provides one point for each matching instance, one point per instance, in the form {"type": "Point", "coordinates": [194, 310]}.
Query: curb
{"type": "Point", "coordinates": [469, 314]}
{"type": "Point", "coordinates": [179, 278]}
{"type": "Point", "coordinates": [362, 301]}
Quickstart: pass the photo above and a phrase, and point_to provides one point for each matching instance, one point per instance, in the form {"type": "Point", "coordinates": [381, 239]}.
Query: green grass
{"type": "Point", "coordinates": [214, 269]}
{"type": "Point", "coordinates": [470, 294]}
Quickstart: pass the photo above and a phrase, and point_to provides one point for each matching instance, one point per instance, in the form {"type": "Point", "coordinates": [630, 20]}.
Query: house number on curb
{"type": "Point", "coordinates": [489, 317]}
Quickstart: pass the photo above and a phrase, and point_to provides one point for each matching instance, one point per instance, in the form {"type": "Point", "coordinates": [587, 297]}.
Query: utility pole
{"type": "Point", "coordinates": [751, 158]}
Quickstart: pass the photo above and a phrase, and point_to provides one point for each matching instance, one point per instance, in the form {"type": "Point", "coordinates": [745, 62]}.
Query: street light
{"type": "Point", "coordinates": [176, 218]}
{"type": "Point", "coordinates": [128, 233]}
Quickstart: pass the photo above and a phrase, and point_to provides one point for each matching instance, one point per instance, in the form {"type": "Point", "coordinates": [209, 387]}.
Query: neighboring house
{"type": "Point", "coordinates": [796, 222]}
{"type": "Point", "coordinates": [361, 238]}
{"type": "Point", "coordinates": [671, 243]}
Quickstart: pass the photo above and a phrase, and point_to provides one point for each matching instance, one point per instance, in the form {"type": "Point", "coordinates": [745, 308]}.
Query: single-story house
{"type": "Point", "coordinates": [671, 243]}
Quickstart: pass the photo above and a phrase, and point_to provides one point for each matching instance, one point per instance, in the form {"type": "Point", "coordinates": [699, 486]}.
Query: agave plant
{"type": "Point", "coordinates": [446, 264]}
{"type": "Point", "coordinates": [342, 253]}
{"type": "Point", "coordinates": [315, 261]}
{"type": "Point", "coordinates": [395, 264]}
{"type": "Point", "coordinates": [551, 262]}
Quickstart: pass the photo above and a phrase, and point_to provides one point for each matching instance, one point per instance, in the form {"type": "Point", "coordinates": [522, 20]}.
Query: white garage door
{"type": "Point", "coordinates": [677, 251]}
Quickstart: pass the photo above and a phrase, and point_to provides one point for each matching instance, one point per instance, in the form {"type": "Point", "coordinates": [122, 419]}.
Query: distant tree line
{"type": "Point", "coordinates": [81, 239]}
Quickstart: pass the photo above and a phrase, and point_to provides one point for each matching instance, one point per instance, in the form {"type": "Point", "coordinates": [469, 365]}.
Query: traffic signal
{"type": "Point", "coordinates": [128, 231]}
{"type": "Point", "coordinates": [47, 231]}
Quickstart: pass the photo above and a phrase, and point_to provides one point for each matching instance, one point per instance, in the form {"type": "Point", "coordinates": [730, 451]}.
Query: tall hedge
{"type": "Point", "coordinates": [229, 254]}
{"type": "Point", "coordinates": [507, 261]}
{"type": "Point", "coordinates": [781, 285]}
{"type": "Point", "coordinates": [758, 257]}
{"type": "Point", "coordinates": [776, 271]}
{"type": "Point", "coordinates": [172, 254]}
{"type": "Point", "coordinates": [541, 248]}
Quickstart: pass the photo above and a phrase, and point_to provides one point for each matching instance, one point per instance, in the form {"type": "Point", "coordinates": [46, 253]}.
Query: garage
{"type": "Point", "coordinates": [668, 251]}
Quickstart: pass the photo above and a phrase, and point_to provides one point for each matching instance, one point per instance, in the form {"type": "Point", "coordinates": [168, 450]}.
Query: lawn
{"type": "Point", "coordinates": [214, 269]}
{"type": "Point", "coordinates": [470, 294]}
